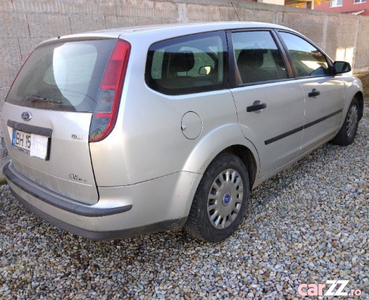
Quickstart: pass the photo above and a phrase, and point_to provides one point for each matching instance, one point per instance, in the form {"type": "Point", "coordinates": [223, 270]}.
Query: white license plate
{"type": "Point", "coordinates": [31, 144]}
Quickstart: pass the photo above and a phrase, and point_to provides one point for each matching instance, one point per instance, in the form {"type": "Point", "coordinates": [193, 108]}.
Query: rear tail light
{"type": "Point", "coordinates": [108, 98]}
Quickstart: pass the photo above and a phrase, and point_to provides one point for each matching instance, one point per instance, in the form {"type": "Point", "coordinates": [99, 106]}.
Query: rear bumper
{"type": "Point", "coordinates": [58, 202]}
{"type": "Point", "coordinates": [104, 220]}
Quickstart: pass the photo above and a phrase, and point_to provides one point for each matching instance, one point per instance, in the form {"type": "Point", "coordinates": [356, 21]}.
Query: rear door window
{"type": "Point", "coordinates": [188, 64]}
{"type": "Point", "coordinates": [257, 57]}
{"type": "Point", "coordinates": [62, 76]}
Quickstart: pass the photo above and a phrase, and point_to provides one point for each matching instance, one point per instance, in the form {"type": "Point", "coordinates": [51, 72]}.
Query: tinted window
{"type": "Point", "coordinates": [187, 64]}
{"type": "Point", "coordinates": [308, 60]}
{"type": "Point", "coordinates": [257, 57]}
{"type": "Point", "coordinates": [62, 76]}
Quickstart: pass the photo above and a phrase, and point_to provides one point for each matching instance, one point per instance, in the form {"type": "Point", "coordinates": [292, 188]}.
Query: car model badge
{"type": "Point", "coordinates": [26, 116]}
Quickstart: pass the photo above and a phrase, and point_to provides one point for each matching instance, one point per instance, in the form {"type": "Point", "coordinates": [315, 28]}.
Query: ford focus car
{"type": "Point", "coordinates": [127, 131]}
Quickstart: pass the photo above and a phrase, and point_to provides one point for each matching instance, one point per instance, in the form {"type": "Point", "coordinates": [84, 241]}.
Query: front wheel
{"type": "Point", "coordinates": [347, 133]}
{"type": "Point", "coordinates": [220, 200]}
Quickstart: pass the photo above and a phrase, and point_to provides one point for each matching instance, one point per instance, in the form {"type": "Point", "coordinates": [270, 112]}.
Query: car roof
{"type": "Point", "coordinates": [198, 27]}
{"type": "Point", "coordinates": [166, 30]}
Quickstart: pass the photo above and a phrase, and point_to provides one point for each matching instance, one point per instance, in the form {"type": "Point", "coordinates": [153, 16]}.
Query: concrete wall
{"type": "Point", "coordinates": [25, 23]}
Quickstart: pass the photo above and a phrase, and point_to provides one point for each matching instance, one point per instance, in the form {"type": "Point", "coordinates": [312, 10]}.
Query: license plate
{"type": "Point", "coordinates": [31, 144]}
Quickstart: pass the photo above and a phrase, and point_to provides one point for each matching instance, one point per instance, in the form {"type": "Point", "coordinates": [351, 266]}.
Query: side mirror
{"type": "Point", "coordinates": [341, 67]}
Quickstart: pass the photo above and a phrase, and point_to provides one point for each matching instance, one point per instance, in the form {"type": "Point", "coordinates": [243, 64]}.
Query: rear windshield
{"type": "Point", "coordinates": [62, 76]}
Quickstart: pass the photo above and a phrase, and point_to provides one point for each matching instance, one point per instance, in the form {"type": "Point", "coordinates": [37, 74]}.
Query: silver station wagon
{"type": "Point", "coordinates": [127, 131]}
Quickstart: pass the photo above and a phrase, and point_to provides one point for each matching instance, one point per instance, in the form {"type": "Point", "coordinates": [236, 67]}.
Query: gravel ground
{"type": "Point", "coordinates": [307, 225]}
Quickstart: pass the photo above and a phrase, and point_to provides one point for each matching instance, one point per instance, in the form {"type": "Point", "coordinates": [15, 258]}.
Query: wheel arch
{"type": "Point", "coordinates": [360, 98]}
{"type": "Point", "coordinates": [247, 158]}
{"type": "Point", "coordinates": [354, 89]}
{"type": "Point", "coordinates": [230, 139]}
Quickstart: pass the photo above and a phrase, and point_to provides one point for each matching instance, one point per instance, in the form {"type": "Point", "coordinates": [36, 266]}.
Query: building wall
{"type": "Point", "coordinates": [25, 23]}
{"type": "Point", "coordinates": [348, 7]}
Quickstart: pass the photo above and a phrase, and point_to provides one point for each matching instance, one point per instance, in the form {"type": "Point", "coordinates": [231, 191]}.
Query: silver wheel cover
{"type": "Point", "coordinates": [351, 121]}
{"type": "Point", "coordinates": [225, 198]}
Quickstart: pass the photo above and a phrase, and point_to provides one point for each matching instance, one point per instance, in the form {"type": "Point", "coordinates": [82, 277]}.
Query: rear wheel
{"type": "Point", "coordinates": [220, 200]}
{"type": "Point", "coordinates": [347, 133]}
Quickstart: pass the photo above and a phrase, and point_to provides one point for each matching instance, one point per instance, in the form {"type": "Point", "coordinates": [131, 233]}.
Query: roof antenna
{"type": "Point", "coordinates": [234, 8]}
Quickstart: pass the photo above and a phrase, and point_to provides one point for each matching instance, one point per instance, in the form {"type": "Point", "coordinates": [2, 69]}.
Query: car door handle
{"type": "Point", "coordinates": [314, 93]}
{"type": "Point", "coordinates": [257, 105]}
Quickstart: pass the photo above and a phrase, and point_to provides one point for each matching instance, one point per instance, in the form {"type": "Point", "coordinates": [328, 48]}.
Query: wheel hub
{"type": "Point", "coordinates": [227, 199]}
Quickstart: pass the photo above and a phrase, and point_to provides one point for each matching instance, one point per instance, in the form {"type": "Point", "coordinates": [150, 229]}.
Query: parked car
{"type": "Point", "coordinates": [127, 131]}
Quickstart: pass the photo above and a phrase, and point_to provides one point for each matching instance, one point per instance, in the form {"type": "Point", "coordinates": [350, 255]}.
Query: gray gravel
{"type": "Point", "coordinates": [308, 224]}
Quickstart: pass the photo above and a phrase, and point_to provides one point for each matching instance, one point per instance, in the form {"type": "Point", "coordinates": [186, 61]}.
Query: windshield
{"type": "Point", "coordinates": [62, 76]}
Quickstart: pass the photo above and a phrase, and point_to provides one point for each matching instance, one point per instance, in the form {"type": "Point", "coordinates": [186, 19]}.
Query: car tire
{"type": "Point", "coordinates": [347, 133]}
{"type": "Point", "coordinates": [220, 201]}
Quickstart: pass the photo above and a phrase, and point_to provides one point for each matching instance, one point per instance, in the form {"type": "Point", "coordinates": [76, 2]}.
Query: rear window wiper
{"type": "Point", "coordinates": [35, 98]}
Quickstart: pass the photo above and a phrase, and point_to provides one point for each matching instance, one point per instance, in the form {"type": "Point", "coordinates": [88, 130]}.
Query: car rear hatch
{"type": "Point", "coordinates": [65, 96]}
